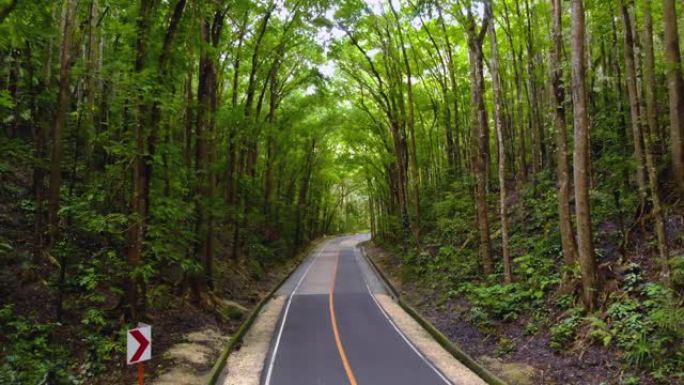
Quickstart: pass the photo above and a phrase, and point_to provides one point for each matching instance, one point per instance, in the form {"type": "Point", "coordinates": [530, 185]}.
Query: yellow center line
{"type": "Point", "coordinates": [336, 332]}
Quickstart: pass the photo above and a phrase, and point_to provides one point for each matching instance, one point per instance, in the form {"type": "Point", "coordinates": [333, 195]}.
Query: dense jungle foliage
{"type": "Point", "coordinates": [526, 155]}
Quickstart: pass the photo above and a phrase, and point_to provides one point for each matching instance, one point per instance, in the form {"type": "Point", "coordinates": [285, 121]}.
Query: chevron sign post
{"type": "Point", "coordinates": [139, 348]}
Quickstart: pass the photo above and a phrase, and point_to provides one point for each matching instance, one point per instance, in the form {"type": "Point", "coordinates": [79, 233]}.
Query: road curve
{"type": "Point", "coordinates": [332, 330]}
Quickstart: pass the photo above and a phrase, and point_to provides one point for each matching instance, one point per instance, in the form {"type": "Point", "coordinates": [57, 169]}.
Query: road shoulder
{"type": "Point", "coordinates": [452, 369]}
{"type": "Point", "coordinates": [245, 365]}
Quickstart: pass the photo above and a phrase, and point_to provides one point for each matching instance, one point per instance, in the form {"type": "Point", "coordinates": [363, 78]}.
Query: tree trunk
{"type": "Point", "coordinates": [207, 98]}
{"type": "Point", "coordinates": [271, 151]}
{"type": "Point", "coordinates": [585, 247]}
{"type": "Point", "coordinates": [301, 198]}
{"type": "Point", "coordinates": [631, 78]}
{"type": "Point", "coordinates": [650, 128]}
{"type": "Point", "coordinates": [501, 147]}
{"type": "Point", "coordinates": [455, 151]}
{"type": "Point", "coordinates": [155, 111]}
{"type": "Point", "coordinates": [518, 110]}
{"type": "Point", "coordinates": [231, 188]}
{"type": "Point", "coordinates": [57, 150]}
{"type": "Point", "coordinates": [136, 233]}
{"type": "Point", "coordinates": [39, 133]}
{"type": "Point", "coordinates": [619, 100]}
{"type": "Point", "coordinates": [675, 85]}
{"type": "Point", "coordinates": [563, 169]}
{"type": "Point", "coordinates": [60, 122]}
{"type": "Point", "coordinates": [249, 154]}
{"type": "Point", "coordinates": [188, 119]}
{"type": "Point", "coordinates": [480, 134]}
{"type": "Point", "coordinates": [536, 127]}
{"type": "Point", "coordinates": [411, 122]}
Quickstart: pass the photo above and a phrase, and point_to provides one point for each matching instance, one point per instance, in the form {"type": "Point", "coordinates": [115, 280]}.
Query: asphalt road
{"type": "Point", "coordinates": [333, 331]}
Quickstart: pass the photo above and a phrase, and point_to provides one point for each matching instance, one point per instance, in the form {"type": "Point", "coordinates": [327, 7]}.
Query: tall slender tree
{"type": "Point", "coordinates": [65, 62]}
{"type": "Point", "coordinates": [54, 193]}
{"type": "Point", "coordinates": [411, 123]}
{"type": "Point", "coordinates": [563, 169]}
{"type": "Point", "coordinates": [501, 147]}
{"type": "Point", "coordinates": [475, 36]}
{"type": "Point", "coordinates": [136, 295]}
{"type": "Point", "coordinates": [633, 95]}
{"type": "Point", "coordinates": [675, 84]}
{"type": "Point", "coordinates": [651, 147]}
{"type": "Point", "coordinates": [585, 245]}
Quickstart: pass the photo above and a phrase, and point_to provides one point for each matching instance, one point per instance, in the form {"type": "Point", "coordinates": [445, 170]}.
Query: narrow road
{"type": "Point", "coordinates": [332, 329]}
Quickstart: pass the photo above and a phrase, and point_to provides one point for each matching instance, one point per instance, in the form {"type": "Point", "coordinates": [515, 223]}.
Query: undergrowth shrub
{"type": "Point", "coordinates": [503, 302]}
{"type": "Point", "coordinates": [447, 268]}
{"type": "Point", "coordinates": [28, 357]}
{"type": "Point", "coordinates": [564, 332]}
{"type": "Point", "coordinates": [677, 271]}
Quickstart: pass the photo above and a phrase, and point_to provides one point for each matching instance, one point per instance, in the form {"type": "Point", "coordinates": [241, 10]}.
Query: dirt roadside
{"type": "Point", "coordinates": [532, 361]}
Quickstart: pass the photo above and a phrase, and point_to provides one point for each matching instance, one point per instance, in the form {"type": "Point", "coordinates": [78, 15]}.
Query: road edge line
{"type": "Point", "coordinates": [271, 361]}
{"type": "Point", "coordinates": [441, 339]}
{"type": "Point", "coordinates": [408, 341]}
{"type": "Point", "coordinates": [236, 339]}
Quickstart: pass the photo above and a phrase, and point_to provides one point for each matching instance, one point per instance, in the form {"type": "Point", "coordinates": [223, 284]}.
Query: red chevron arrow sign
{"type": "Point", "coordinates": [139, 344]}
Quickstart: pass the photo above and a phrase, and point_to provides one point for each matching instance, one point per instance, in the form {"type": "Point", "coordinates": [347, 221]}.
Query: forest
{"type": "Point", "coordinates": [523, 160]}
